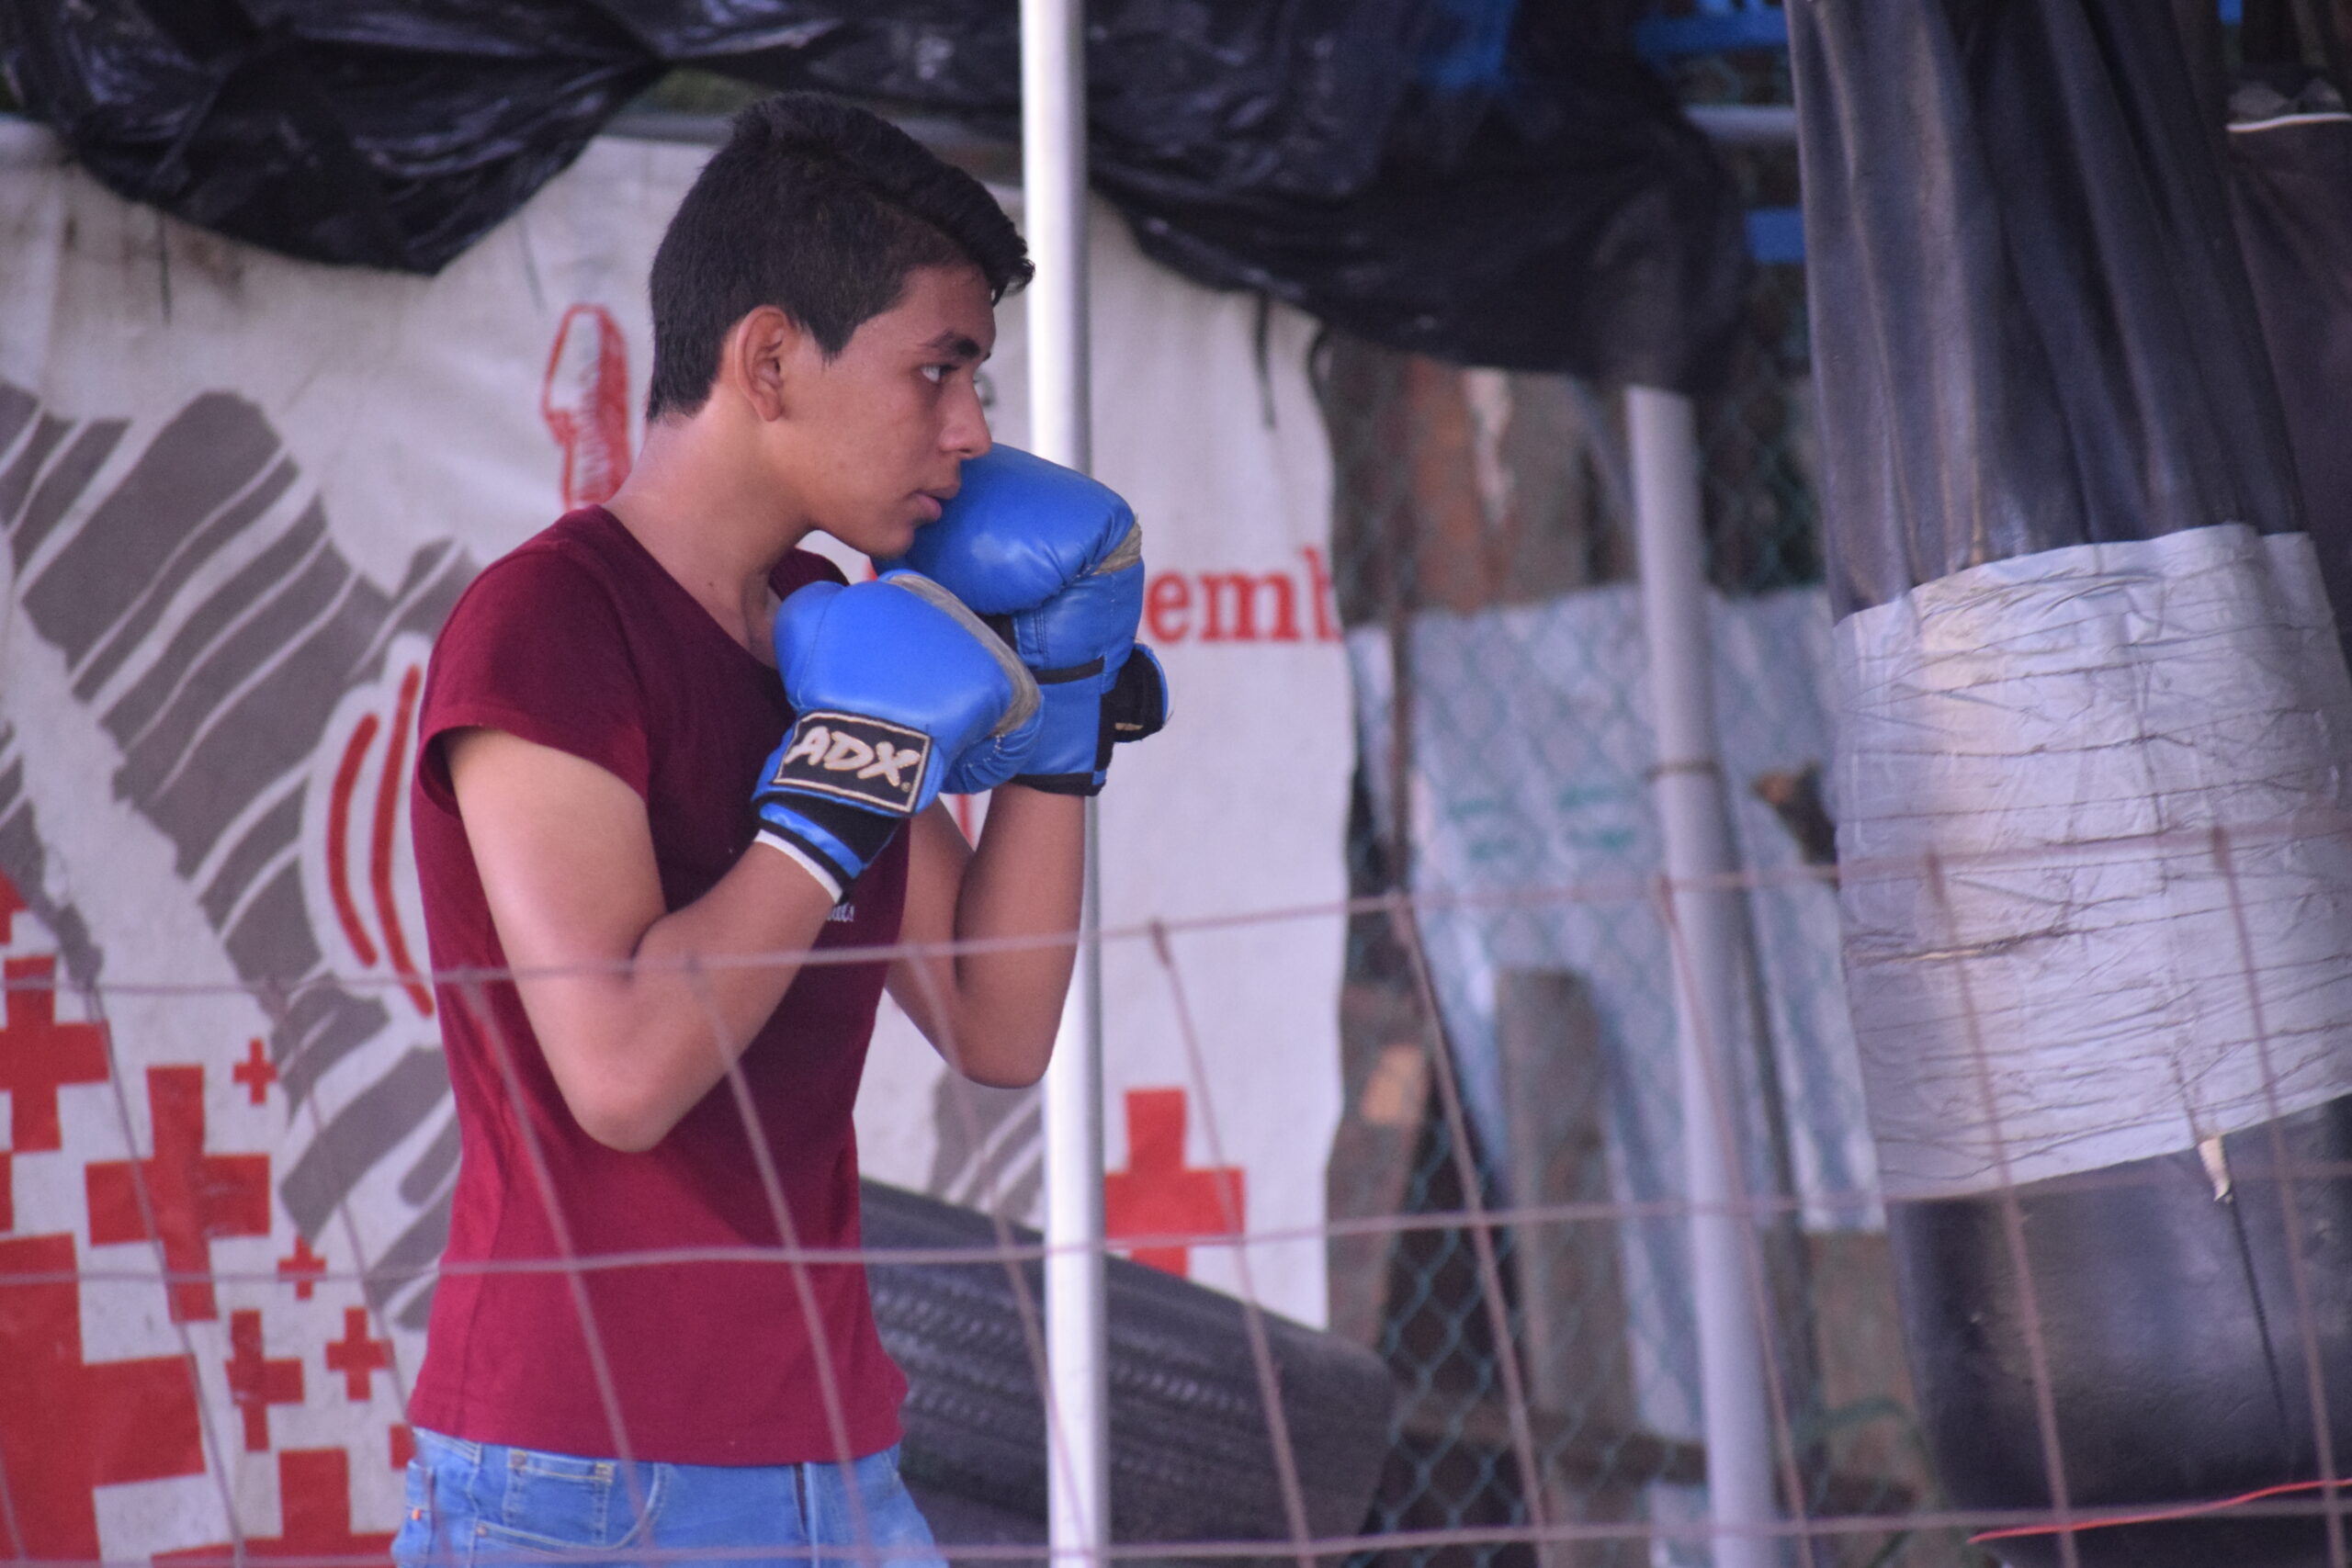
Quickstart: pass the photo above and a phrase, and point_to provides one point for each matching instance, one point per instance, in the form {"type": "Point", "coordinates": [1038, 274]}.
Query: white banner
{"type": "Point", "coordinates": [240, 493]}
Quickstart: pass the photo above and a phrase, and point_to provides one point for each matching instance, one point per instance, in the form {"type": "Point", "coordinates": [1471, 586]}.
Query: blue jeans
{"type": "Point", "coordinates": [478, 1504]}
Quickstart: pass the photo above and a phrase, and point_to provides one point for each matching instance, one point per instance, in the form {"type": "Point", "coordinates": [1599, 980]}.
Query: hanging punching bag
{"type": "Point", "coordinates": [2093, 778]}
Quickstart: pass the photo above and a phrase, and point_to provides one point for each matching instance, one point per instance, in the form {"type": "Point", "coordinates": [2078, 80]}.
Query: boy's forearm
{"type": "Point", "coordinates": [648, 1040]}
{"type": "Point", "coordinates": [1023, 881]}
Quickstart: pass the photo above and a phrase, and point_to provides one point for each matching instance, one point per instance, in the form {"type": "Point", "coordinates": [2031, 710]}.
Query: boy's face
{"type": "Point", "coordinates": [881, 431]}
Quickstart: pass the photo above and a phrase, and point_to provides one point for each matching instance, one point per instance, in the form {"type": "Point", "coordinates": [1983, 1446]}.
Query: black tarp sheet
{"type": "Point", "coordinates": [1474, 179]}
{"type": "Point", "coordinates": [2031, 324]}
{"type": "Point", "coordinates": [2290, 166]}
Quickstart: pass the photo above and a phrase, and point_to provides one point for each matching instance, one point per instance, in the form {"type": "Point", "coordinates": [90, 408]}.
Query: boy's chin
{"type": "Point", "coordinates": [880, 541]}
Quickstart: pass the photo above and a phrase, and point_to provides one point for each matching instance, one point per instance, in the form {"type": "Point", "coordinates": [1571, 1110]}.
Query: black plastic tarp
{"type": "Point", "coordinates": [2290, 165]}
{"type": "Point", "coordinates": [1466, 178]}
{"type": "Point", "coordinates": [2031, 326]}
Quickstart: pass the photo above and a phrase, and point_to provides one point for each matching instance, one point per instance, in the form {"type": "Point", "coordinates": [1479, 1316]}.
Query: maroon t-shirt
{"type": "Point", "coordinates": [580, 640]}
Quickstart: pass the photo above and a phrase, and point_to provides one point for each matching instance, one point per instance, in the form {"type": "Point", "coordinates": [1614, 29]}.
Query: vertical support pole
{"type": "Point", "coordinates": [1053, 186]}
{"type": "Point", "coordinates": [1712, 971]}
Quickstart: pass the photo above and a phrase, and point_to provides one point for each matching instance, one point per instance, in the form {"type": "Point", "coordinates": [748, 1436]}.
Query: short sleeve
{"type": "Point", "coordinates": [535, 648]}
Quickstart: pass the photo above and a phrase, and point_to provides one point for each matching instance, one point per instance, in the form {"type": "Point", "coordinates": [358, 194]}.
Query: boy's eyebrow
{"type": "Point", "coordinates": [954, 344]}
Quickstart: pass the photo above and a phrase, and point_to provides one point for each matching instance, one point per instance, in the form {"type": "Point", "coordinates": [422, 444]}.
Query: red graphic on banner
{"type": "Point", "coordinates": [346, 783]}
{"type": "Point", "coordinates": [356, 1357]}
{"type": "Point", "coordinates": [314, 1500]}
{"type": "Point", "coordinates": [194, 1196]}
{"type": "Point", "coordinates": [1284, 604]}
{"type": "Point", "coordinates": [255, 1382]}
{"type": "Point", "coordinates": [1157, 1194]}
{"type": "Point", "coordinates": [403, 1444]}
{"type": "Point", "coordinates": [303, 1266]}
{"type": "Point", "coordinates": [383, 839]}
{"type": "Point", "coordinates": [12, 904]}
{"type": "Point", "coordinates": [584, 400]}
{"type": "Point", "coordinates": [256, 1072]}
{"type": "Point", "coordinates": [67, 1425]}
{"type": "Point", "coordinates": [40, 1055]}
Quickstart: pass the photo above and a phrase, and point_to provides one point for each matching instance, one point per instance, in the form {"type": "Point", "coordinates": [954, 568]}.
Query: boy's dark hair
{"type": "Point", "coordinates": [820, 209]}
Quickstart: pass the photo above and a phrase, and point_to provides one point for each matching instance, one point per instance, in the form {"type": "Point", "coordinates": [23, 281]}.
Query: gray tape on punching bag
{"type": "Point", "coordinates": [2061, 732]}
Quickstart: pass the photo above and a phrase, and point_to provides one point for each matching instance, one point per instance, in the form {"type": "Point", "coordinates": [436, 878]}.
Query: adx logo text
{"type": "Point", "coordinates": [876, 764]}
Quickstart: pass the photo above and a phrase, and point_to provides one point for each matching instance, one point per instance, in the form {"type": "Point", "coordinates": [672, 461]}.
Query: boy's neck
{"type": "Point", "coordinates": [714, 519]}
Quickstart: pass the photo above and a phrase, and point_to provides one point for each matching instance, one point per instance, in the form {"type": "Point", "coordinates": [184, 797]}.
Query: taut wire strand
{"type": "Point", "coordinates": [1253, 1318]}
{"type": "Point", "coordinates": [2045, 1397]}
{"type": "Point", "coordinates": [1474, 1198]}
{"type": "Point", "coordinates": [2298, 1271]}
{"type": "Point", "coordinates": [804, 1290]}
{"type": "Point", "coordinates": [477, 1005]}
{"type": "Point", "coordinates": [1718, 1110]}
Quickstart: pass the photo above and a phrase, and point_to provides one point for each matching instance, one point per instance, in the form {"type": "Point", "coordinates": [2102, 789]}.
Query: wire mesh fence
{"type": "Point", "coordinates": [1516, 1285]}
{"type": "Point", "coordinates": [1506, 1305]}
{"type": "Point", "coordinates": [1507, 1228]}
{"type": "Point", "coordinates": [1484, 562]}
{"type": "Point", "coordinates": [1511, 1373]}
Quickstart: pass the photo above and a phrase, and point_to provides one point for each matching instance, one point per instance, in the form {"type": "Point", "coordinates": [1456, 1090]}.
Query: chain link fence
{"type": "Point", "coordinates": [1509, 1043]}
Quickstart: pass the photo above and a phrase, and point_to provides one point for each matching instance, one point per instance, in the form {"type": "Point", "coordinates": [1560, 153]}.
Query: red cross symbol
{"type": "Point", "coordinates": [314, 1501]}
{"type": "Point", "coordinates": [303, 1267]}
{"type": "Point", "coordinates": [67, 1425]}
{"type": "Point", "coordinates": [39, 1056]}
{"type": "Point", "coordinates": [1157, 1195]}
{"type": "Point", "coordinates": [255, 1071]}
{"type": "Point", "coordinates": [194, 1196]}
{"type": "Point", "coordinates": [356, 1356]}
{"type": "Point", "coordinates": [255, 1383]}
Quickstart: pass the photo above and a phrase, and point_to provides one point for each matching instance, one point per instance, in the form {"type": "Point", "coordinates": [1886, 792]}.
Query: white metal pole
{"type": "Point", "coordinates": [1053, 187]}
{"type": "Point", "coordinates": [1711, 971]}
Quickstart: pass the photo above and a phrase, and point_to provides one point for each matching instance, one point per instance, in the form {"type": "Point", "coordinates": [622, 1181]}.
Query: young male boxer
{"type": "Point", "coordinates": [661, 744]}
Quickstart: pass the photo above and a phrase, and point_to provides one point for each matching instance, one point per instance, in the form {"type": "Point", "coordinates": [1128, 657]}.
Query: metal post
{"type": "Point", "coordinates": [1711, 971]}
{"type": "Point", "coordinates": [1053, 186]}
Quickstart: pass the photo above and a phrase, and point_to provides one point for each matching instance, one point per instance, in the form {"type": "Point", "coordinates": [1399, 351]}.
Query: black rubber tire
{"type": "Point", "coordinates": [1190, 1457]}
{"type": "Point", "coordinates": [2168, 1322]}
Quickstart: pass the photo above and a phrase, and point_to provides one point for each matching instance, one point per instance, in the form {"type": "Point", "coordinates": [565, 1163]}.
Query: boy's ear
{"type": "Point", "coordinates": [758, 359]}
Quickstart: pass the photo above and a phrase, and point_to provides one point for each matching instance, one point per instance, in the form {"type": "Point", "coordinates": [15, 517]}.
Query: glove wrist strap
{"type": "Point", "coordinates": [835, 840]}
{"type": "Point", "coordinates": [820, 871]}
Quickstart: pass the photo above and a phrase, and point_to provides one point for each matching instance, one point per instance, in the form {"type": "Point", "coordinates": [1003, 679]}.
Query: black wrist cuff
{"type": "Point", "coordinates": [1062, 784]}
{"type": "Point", "coordinates": [1136, 707]}
{"type": "Point", "coordinates": [863, 833]}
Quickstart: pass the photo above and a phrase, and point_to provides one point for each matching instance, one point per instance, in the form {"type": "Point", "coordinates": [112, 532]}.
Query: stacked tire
{"type": "Point", "coordinates": [1191, 1450]}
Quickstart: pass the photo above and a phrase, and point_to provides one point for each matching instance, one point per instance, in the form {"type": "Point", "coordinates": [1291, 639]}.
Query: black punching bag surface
{"type": "Point", "coordinates": [2094, 776]}
{"type": "Point", "coordinates": [2172, 1334]}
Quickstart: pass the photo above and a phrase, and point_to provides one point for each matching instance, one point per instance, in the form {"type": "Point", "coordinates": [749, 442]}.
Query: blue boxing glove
{"type": "Point", "coordinates": [898, 691]}
{"type": "Point", "coordinates": [1053, 560]}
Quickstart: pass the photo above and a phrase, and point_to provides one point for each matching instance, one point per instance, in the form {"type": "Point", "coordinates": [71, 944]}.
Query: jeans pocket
{"type": "Point", "coordinates": [557, 1502]}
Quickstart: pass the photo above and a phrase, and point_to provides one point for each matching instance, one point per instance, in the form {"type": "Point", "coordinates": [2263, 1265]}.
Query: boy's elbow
{"type": "Point", "coordinates": [992, 1076]}
{"type": "Point", "coordinates": [627, 1137]}
{"type": "Point", "coordinates": [626, 1124]}
{"type": "Point", "coordinates": [1008, 1062]}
